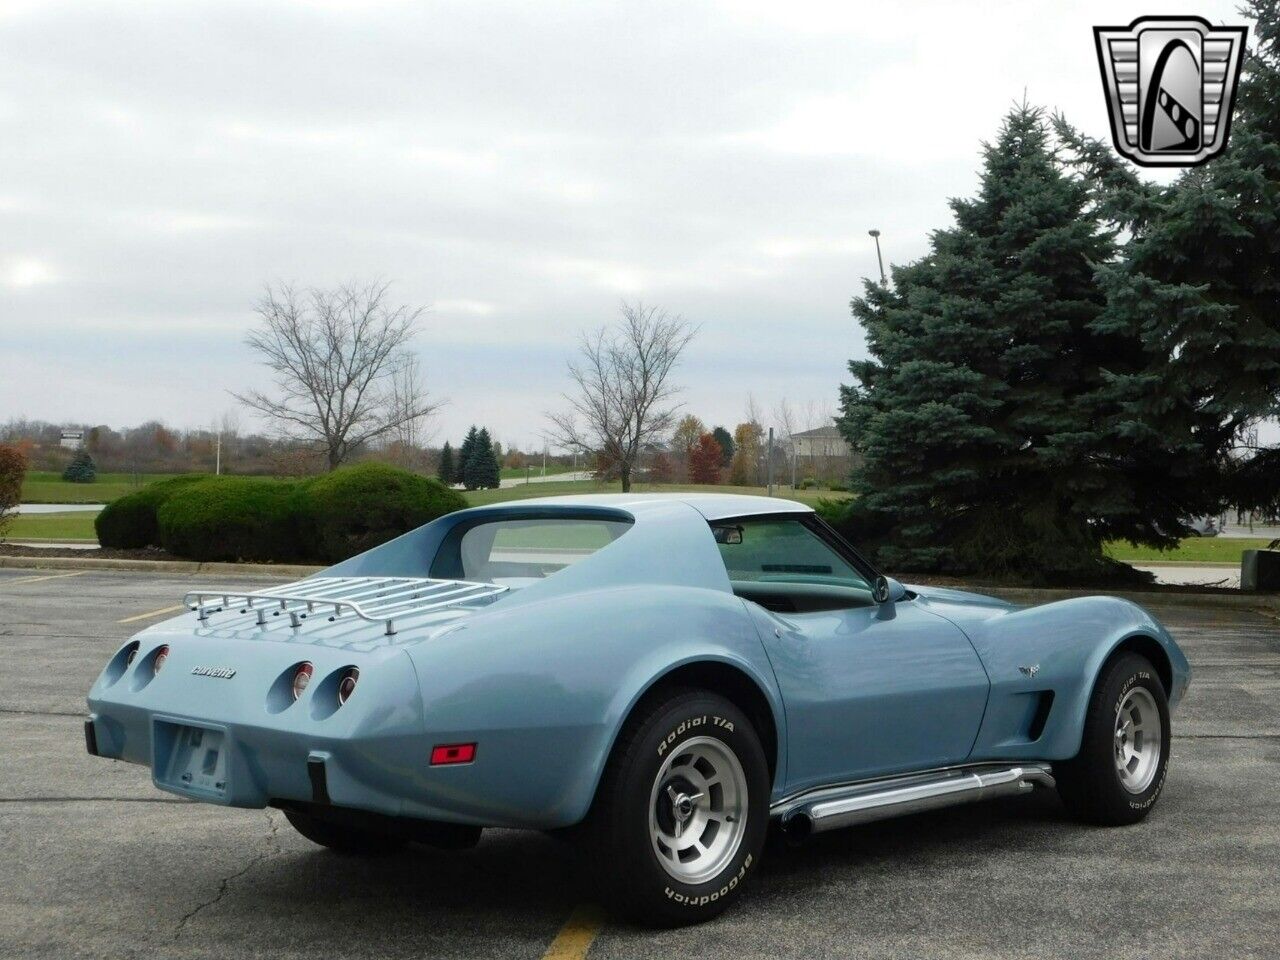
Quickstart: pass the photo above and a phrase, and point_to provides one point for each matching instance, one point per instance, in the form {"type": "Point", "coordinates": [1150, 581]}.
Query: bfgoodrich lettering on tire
{"type": "Point", "coordinates": [1119, 772]}
{"type": "Point", "coordinates": [680, 818]}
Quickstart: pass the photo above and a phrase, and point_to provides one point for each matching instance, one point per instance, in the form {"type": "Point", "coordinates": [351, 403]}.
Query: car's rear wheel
{"type": "Point", "coordinates": [1119, 772]}
{"type": "Point", "coordinates": [342, 838]}
{"type": "Point", "coordinates": [680, 818]}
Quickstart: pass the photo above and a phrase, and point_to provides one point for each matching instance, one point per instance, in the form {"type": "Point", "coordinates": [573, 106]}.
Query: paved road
{"type": "Point", "coordinates": [60, 507]}
{"type": "Point", "coordinates": [506, 482]}
{"type": "Point", "coordinates": [96, 863]}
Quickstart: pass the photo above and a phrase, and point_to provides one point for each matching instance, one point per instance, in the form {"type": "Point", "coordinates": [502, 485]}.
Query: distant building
{"type": "Point", "coordinates": [822, 442]}
{"type": "Point", "coordinates": [823, 454]}
{"type": "Point", "coordinates": [72, 439]}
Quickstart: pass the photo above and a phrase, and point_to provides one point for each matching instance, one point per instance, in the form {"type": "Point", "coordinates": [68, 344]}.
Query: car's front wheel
{"type": "Point", "coordinates": [1119, 772]}
{"type": "Point", "coordinates": [681, 815]}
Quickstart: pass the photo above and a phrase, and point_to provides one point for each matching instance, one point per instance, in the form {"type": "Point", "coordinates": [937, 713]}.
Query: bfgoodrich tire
{"type": "Point", "coordinates": [1119, 772]}
{"type": "Point", "coordinates": [681, 814]}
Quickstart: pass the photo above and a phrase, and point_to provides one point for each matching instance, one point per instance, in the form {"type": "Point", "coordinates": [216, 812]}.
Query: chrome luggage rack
{"type": "Point", "coordinates": [376, 599]}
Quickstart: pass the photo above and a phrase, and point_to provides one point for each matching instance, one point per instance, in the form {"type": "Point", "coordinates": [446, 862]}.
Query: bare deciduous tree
{"type": "Point", "coordinates": [335, 355]}
{"type": "Point", "coordinates": [785, 419]}
{"type": "Point", "coordinates": [411, 433]}
{"type": "Point", "coordinates": [623, 398]}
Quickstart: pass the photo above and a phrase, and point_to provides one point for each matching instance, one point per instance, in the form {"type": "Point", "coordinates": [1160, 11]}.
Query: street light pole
{"type": "Point", "coordinates": [884, 281]}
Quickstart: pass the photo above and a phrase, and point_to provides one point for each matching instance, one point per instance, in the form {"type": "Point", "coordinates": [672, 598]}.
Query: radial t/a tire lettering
{"type": "Point", "coordinates": [1119, 773]}
{"type": "Point", "coordinates": [680, 819]}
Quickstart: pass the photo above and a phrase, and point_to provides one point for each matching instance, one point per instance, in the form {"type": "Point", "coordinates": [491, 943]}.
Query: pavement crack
{"type": "Point", "coordinates": [41, 713]}
{"type": "Point", "coordinates": [224, 885]}
{"type": "Point", "coordinates": [82, 799]}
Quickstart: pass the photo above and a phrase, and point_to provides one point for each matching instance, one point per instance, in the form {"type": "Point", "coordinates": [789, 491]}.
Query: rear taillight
{"type": "Point", "coordinates": [347, 685]}
{"type": "Point", "coordinates": [301, 677]}
{"type": "Point", "coordinates": [131, 655]}
{"type": "Point", "coordinates": [158, 661]}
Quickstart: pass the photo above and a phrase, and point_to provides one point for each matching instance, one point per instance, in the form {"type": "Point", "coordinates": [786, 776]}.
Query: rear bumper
{"type": "Point", "coordinates": [519, 778]}
{"type": "Point", "coordinates": [241, 765]}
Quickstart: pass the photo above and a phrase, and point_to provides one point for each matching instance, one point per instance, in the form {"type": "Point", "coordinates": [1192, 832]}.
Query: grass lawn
{"type": "Point", "coordinates": [76, 525]}
{"type": "Point", "coordinates": [553, 489]}
{"type": "Point", "coordinates": [44, 486]}
{"type": "Point", "coordinates": [1191, 550]}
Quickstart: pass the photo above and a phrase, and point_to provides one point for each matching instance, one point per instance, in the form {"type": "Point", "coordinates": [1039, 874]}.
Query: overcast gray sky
{"type": "Point", "coordinates": [519, 168]}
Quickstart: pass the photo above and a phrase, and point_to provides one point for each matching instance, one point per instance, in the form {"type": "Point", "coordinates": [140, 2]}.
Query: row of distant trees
{"type": "Point", "coordinates": [154, 447]}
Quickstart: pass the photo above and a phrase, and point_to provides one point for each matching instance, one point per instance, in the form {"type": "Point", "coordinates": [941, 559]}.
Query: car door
{"type": "Point", "coordinates": [869, 690]}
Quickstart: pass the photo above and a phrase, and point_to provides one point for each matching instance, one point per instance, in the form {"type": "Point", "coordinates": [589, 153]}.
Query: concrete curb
{"type": "Point", "coordinates": [161, 566]}
{"type": "Point", "coordinates": [1266, 603]}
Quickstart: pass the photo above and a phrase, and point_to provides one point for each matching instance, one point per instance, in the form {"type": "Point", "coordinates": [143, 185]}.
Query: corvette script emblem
{"type": "Point", "coordinates": [1170, 82]}
{"type": "Point", "coordinates": [218, 673]}
{"type": "Point", "coordinates": [1030, 670]}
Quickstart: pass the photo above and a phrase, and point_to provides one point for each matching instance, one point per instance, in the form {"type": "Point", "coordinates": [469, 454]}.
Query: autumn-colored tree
{"type": "Point", "coordinates": [704, 461]}
{"type": "Point", "coordinates": [748, 447]}
{"type": "Point", "coordinates": [685, 439]}
{"type": "Point", "coordinates": [661, 469]}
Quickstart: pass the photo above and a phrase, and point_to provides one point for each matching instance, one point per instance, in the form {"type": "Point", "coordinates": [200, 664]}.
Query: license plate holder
{"type": "Point", "coordinates": [192, 759]}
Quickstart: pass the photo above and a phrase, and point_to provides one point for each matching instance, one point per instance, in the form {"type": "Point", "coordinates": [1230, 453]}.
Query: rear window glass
{"type": "Point", "coordinates": [515, 551]}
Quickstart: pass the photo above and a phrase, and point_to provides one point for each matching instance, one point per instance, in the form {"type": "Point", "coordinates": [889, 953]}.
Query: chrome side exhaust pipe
{"type": "Point", "coordinates": [831, 808]}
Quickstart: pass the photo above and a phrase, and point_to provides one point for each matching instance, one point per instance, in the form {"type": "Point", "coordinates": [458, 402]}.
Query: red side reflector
{"type": "Point", "coordinates": [447, 753]}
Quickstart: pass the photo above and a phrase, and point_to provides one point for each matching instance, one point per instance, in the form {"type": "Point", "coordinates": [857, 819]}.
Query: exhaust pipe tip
{"type": "Point", "coordinates": [797, 828]}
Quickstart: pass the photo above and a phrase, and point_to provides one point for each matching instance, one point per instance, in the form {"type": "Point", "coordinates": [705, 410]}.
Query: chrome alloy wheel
{"type": "Point", "coordinates": [1138, 740]}
{"type": "Point", "coordinates": [698, 810]}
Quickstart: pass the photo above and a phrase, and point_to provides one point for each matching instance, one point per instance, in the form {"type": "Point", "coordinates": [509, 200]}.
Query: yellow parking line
{"type": "Point", "coordinates": [54, 576]}
{"type": "Point", "coordinates": [153, 613]}
{"type": "Point", "coordinates": [576, 936]}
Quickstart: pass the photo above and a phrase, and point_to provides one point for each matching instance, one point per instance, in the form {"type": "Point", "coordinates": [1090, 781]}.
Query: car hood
{"type": "Point", "coordinates": [960, 606]}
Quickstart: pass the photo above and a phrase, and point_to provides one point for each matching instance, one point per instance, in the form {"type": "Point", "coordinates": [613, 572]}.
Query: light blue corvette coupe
{"type": "Point", "coordinates": [655, 677]}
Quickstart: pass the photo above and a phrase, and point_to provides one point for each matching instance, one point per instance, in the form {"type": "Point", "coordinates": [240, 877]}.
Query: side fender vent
{"type": "Point", "coordinates": [1041, 715]}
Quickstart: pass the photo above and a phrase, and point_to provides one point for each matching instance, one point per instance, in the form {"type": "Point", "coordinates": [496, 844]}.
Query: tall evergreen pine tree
{"type": "Point", "coordinates": [465, 452]}
{"type": "Point", "coordinates": [482, 471]}
{"type": "Point", "coordinates": [1198, 285]}
{"type": "Point", "coordinates": [445, 470]}
{"type": "Point", "coordinates": [81, 469]}
{"type": "Point", "coordinates": [977, 410]}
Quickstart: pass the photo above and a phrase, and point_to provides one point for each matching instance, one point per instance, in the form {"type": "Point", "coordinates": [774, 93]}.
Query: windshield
{"type": "Point", "coordinates": [515, 551]}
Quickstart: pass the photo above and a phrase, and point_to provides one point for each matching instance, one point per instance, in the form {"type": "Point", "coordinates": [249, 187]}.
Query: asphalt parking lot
{"type": "Point", "coordinates": [97, 863]}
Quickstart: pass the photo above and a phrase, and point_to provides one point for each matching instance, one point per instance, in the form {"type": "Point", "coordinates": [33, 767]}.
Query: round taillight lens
{"type": "Point", "coordinates": [301, 677]}
{"type": "Point", "coordinates": [347, 685]}
{"type": "Point", "coordinates": [161, 656]}
{"type": "Point", "coordinates": [131, 655]}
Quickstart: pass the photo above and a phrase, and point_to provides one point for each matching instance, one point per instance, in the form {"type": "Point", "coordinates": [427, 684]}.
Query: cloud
{"type": "Point", "coordinates": [517, 168]}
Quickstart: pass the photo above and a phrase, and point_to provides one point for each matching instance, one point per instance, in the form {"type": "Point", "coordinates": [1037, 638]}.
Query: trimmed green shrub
{"type": "Point", "coordinates": [13, 470]}
{"type": "Point", "coordinates": [129, 523]}
{"type": "Point", "coordinates": [356, 508]}
{"type": "Point", "coordinates": [81, 469]}
{"type": "Point", "coordinates": [233, 518]}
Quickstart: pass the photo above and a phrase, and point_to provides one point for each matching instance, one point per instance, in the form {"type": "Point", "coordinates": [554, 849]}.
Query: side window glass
{"type": "Point", "coordinates": [781, 551]}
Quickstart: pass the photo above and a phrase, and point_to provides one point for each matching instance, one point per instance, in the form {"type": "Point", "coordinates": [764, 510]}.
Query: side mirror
{"type": "Point", "coordinates": [887, 590]}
